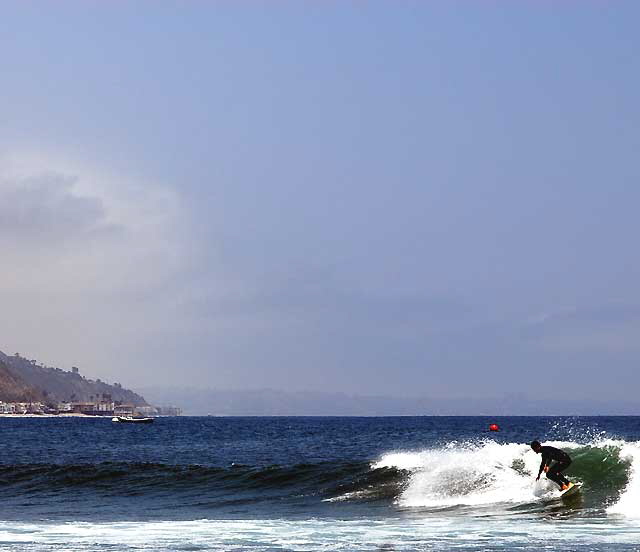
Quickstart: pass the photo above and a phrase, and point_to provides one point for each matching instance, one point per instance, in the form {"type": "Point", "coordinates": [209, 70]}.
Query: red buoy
{"type": "Point", "coordinates": [494, 427]}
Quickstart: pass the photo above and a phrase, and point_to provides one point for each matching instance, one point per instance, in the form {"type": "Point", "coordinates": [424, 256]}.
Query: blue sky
{"type": "Point", "coordinates": [409, 198]}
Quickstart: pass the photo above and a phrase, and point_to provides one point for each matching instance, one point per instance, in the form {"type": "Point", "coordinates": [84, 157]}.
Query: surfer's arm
{"type": "Point", "coordinates": [542, 466]}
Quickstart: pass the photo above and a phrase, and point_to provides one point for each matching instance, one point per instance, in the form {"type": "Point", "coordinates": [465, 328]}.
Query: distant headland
{"type": "Point", "coordinates": [29, 387]}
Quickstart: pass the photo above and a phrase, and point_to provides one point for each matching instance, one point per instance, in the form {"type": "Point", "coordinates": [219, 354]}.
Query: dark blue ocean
{"type": "Point", "coordinates": [306, 484]}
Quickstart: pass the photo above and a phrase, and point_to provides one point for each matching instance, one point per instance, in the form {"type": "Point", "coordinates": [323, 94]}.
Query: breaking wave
{"type": "Point", "coordinates": [490, 473]}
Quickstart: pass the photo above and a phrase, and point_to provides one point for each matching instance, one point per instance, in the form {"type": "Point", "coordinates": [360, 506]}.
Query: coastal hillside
{"type": "Point", "coordinates": [15, 389]}
{"type": "Point", "coordinates": [24, 379]}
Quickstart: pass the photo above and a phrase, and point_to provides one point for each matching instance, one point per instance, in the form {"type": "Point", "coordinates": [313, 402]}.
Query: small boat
{"type": "Point", "coordinates": [131, 420]}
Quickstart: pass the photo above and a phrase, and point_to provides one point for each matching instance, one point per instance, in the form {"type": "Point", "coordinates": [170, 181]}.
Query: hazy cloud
{"type": "Point", "coordinates": [45, 208]}
{"type": "Point", "coordinates": [88, 257]}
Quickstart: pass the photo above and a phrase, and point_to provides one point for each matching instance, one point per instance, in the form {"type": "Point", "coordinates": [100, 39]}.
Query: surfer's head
{"type": "Point", "coordinates": [536, 446]}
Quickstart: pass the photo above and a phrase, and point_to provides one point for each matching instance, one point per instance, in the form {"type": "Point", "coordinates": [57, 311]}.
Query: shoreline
{"type": "Point", "coordinates": [65, 415]}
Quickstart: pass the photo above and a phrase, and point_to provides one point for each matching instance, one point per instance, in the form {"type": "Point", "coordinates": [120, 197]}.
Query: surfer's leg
{"type": "Point", "coordinates": [555, 476]}
{"type": "Point", "coordinates": [559, 468]}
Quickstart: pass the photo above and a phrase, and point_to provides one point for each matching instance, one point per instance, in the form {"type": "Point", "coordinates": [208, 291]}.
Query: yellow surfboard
{"type": "Point", "coordinates": [573, 489]}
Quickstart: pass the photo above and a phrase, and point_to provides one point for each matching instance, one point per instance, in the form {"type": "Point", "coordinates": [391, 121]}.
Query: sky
{"type": "Point", "coordinates": [410, 198]}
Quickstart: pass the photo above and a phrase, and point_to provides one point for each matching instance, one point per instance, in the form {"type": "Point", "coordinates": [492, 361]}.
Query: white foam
{"type": "Point", "coordinates": [470, 474]}
{"type": "Point", "coordinates": [629, 502]}
{"type": "Point", "coordinates": [316, 535]}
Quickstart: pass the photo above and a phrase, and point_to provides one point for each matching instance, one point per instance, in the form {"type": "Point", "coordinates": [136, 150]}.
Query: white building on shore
{"type": "Point", "coordinates": [22, 408]}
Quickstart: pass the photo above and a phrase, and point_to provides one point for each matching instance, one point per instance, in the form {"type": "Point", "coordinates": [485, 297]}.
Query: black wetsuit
{"type": "Point", "coordinates": [561, 463]}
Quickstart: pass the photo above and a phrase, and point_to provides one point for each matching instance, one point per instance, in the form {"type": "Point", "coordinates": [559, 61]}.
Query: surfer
{"type": "Point", "coordinates": [561, 461]}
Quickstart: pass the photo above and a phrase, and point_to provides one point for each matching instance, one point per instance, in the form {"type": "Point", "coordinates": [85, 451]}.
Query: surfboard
{"type": "Point", "coordinates": [571, 490]}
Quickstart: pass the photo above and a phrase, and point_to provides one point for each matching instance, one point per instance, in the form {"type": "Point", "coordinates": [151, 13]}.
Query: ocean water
{"type": "Point", "coordinates": [307, 484]}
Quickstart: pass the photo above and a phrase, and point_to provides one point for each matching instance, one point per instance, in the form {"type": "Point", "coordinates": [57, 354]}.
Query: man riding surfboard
{"type": "Point", "coordinates": [561, 461]}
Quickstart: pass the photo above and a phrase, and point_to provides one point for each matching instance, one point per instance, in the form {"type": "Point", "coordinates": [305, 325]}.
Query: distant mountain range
{"type": "Point", "coordinates": [24, 380]}
{"type": "Point", "coordinates": [270, 402]}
